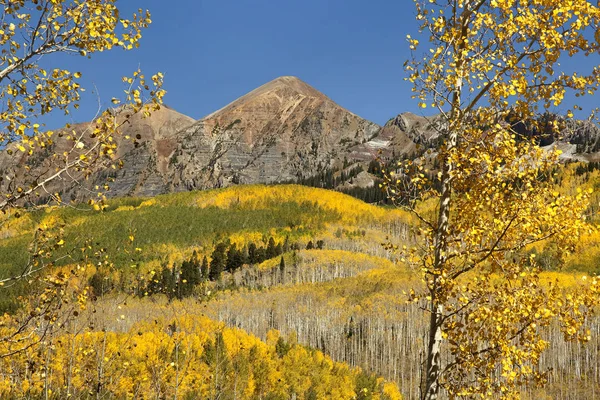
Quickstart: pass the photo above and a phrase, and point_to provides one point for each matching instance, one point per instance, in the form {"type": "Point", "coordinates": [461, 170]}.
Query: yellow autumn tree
{"type": "Point", "coordinates": [30, 31]}
{"type": "Point", "coordinates": [489, 66]}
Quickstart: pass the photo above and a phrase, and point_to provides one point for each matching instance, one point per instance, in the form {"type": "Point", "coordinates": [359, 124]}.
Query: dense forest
{"type": "Point", "coordinates": [315, 271]}
{"type": "Point", "coordinates": [187, 357]}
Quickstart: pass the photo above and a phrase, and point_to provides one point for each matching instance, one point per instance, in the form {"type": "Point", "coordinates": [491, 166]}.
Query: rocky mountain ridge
{"type": "Point", "coordinates": [283, 131]}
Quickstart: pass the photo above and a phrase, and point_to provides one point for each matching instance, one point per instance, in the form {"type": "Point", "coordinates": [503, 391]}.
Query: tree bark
{"type": "Point", "coordinates": [436, 308]}
{"type": "Point", "coordinates": [433, 369]}
{"type": "Point", "coordinates": [434, 362]}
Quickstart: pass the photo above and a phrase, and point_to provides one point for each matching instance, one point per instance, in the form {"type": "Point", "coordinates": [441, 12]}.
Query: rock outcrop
{"type": "Point", "coordinates": [282, 131]}
{"type": "Point", "coordinates": [145, 144]}
{"type": "Point", "coordinates": [405, 135]}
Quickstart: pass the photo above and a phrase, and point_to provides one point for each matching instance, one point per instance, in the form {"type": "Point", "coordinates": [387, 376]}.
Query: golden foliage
{"type": "Point", "coordinates": [491, 66]}
{"type": "Point", "coordinates": [187, 357]}
{"type": "Point", "coordinates": [350, 209]}
{"type": "Point", "coordinates": [29, 31]}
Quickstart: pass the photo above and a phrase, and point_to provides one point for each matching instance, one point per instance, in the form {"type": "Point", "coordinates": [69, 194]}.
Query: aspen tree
{"type": "Point", "coordinates": [30, 91]}
{"type": "Point", "coordinates": [488, 65]}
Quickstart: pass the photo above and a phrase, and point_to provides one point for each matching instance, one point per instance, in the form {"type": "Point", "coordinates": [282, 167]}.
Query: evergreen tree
{"type": "Point", "coordinates": [229, 263]}
{"type": "Point", "coordinates": [282, 265]}
{"type": "Point", "coordinates": [168, 282]}
{"type": "Point", "coordinates": [271, 250]}
{"type": "Point", "coordinates": [204, 268]}
{"type": "Point", "coordinates": [238, 259]}
{"type": "Point", "coordinates": [310, 245]}
{"type": "Point", "coordinates": [261, 255]}
{"type": "Point", "coordinates": [216, 357]}
{"type": "Point", "coordinates": [154, 285]}
{"type": "Point", "coordinates": [218, 261]}
{"type": "Point", "coordinates": [190, 276]}
{"type": "Point", "coordinates": [244, 255]}
{"type": "Point", "coordinates": [100, 284]}
{"type": "Point", "coordinates": [286, 245]}
{"type": "Point", "coordinates": [234, 259]}
{"type": "Point", "coordinates": [252, 254]}
{"type": "Point", "coordinates": [281, 347]}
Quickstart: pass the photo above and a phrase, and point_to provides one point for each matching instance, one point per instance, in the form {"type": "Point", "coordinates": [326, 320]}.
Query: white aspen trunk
{"type": "Point", "coordinates": [176, 371]}
{"type": "Point", "coordinates": [434, 360]}
{"type": "Point", "coordinates": [433, 366]}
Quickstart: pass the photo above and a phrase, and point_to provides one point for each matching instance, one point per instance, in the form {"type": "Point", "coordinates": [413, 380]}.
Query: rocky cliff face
{"type": "Point", "coordinates": [405, 135]}
{"type": "Point", "coordinates": [282, 131]}
{"type": "Point", "coordinates": [146, 165]}
{"type": "Point", "coordinates": [146, 145]}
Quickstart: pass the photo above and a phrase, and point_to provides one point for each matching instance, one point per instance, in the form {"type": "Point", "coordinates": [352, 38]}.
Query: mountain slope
{"type": "Point", "coordinates": [145, 165]}
{"type": "Point", "coordinates": [406, 134]}
{"type": "Point", "coordinates": [281, 131]}
{"type": "Point", "coordinates": [145, 143]}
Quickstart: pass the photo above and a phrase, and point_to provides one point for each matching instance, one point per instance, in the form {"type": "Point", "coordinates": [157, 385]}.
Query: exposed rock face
{"type": "Point", "coordinates": [146, 166]}
{"type": "Point", "coordinates": [584, 138]}
{"type": "Point", "coordinates": [146, 162]}
{"type": "Point", "coordinates": [405, 135]}
{"type": "Point", "coordinates": [281, 131]}
{"type": "Point", "coordinates": [579, 140]}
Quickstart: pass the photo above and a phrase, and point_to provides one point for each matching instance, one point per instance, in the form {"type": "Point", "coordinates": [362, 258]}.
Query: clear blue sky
{"type": "Point", "coordinates": [213, 51]}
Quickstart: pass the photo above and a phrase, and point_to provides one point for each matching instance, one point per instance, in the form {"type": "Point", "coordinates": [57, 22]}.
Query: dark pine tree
{"type": "Point", "coordinates": [100, 284]}
{"type": "Point", "coordinates": [238, 259]}
{"type": "Point", "coordinates": [271, 249]}
{"type": "Point", "coordinates": [245, 256]}
{"type": "Point", "coordinates": [218, 262]}
{"type": "Point", "coordinates": [190, 276]}
{"type": "Point", "coordinates": [252, 254]}
{"type": "Point", "coordinates": [286, 245]}
{"type": "Point", "coordinates": [204, 269]}
{"type": "Point", "coordinates": [282, 265]}
{"type": "Point", "coordinates": [261, 255]}
{"type": "Point", "coordinates": [234, 259]}
{"type": "Point", "coordinates": [229, 263]}
{"type": "Point", "coordinates": [154, 283]}
{"type": "Point", "coordinates": [282, 270]}
{"type": "Point", "coordinates": [168, 282]}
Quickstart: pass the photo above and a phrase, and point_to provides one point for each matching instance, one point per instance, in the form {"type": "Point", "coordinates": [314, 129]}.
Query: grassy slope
{"type": "Point", "coordinates": [177, 223]}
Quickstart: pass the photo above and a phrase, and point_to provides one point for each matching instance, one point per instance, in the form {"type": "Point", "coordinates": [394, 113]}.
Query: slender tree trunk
{"type": "Point", "coordinates": [434, 362]}
{"type": "Point", "coordinates": [431, 389]}
{"type": "Point", "coordinates": [433, 366]}
{"type": "Point", "coordinates": [47, 373]}
{"type": "Point", "coordinates": [176, 370]}
{"type": "Point", "coordinates": [100, 384]}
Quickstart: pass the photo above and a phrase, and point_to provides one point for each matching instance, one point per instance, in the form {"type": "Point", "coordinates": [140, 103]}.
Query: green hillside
{"type": "Point", "coordinates": [184, 221]}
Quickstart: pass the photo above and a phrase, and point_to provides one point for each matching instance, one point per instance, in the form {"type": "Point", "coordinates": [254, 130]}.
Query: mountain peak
{"type": "Point", "coordinates": [278, 91]}
{"type": "Point", "coordinates": [294, 83]}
